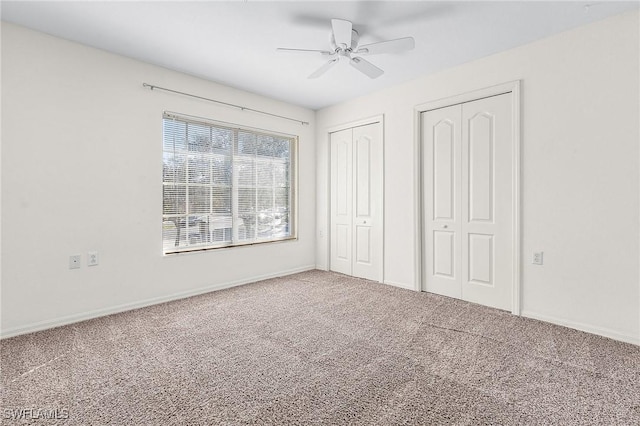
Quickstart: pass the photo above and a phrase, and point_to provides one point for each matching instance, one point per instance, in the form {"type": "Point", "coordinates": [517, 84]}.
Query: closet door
{"type": "Point", "coordinates": [341, 201]}
{"type": "Point", "coordinates": [467, 201]}
{"type": "Point", "coordinates": [367, 202]}
{"type": "Point", "coordinates": [357, 202]}
{"type": "Point", "coordinates": [441, 207]}
{"type": "Point", "coordinates": [487, 173]}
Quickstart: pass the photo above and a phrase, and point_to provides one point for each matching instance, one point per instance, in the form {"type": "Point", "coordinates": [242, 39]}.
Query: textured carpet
{"type": "Point", "coordinates": [319, 348]}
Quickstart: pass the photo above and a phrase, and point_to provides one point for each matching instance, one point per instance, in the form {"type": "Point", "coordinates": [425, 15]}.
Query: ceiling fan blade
{"type": "Point", "coordinates": [366, 67]}
{"type": "Point", "coordinates": [324, 68]}
{"type": "Point", "coordinates": [322, 52]}
{"type": "Point", "coordinates": [342, 32]}
{"type": "Point", "coordinates": [389, 46]}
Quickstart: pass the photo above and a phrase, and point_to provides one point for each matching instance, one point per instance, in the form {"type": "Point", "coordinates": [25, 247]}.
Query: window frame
{"type": "Point", "coordinates": [235, 128]}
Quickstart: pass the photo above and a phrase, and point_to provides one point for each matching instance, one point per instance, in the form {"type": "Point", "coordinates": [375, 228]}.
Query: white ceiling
{"type": "Point", "coordinates": [234, 42]}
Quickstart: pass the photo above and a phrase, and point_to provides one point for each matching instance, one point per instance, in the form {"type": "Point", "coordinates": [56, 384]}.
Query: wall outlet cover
{"type": "Point", "coordinates": [538, 258]}
{"type": "Point", "coordinates": [92, 258]}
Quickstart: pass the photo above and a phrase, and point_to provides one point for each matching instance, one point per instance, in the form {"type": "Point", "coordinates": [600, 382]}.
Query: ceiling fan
{"type": "Point", "coordinates": [344, 44]}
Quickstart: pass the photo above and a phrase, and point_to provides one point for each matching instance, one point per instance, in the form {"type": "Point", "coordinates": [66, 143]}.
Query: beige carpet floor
{"type": "Point", "coordinates": [320, 348]}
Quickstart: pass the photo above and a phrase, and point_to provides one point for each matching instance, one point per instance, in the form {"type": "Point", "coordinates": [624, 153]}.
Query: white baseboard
{"type": "Point", "coordinates": [401, 285]}
{"type": "Point", "coordinates": [601, 331]}
{"type": "Point", "coordinates": [70, 319]}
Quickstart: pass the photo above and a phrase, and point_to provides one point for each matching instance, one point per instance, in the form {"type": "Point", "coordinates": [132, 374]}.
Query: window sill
{"type": "Point", "coordinates": [189, 250]}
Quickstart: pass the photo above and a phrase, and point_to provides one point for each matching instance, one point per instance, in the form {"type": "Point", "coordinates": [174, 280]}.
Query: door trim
{"type": "Point", "coordinates": [514, 88]}
{"type": "Point", "coordinates": [350, 125]}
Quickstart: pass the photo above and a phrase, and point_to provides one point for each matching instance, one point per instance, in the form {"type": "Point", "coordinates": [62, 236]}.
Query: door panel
{"type": "Point", "coordinates": [443, 170]}
{"type": "Point", "coordinates": [341, 201]}
{"type": "Point", "coordinates": [480, 148]}
{"type": "Point", "coordinates": [441, 182]}
{"type": "Point", "coordinates": [363, 242]}
{"type": "Point", "coordinates": [343, 249]}
{"type": "Point", "coordinates": [444, 247]}
{"type": "Point", "coordinates": [343, 177]}
{"type": "Point", "coordinates": [481, 259]}
{"type": "Point", "coordinates": [363, 176]}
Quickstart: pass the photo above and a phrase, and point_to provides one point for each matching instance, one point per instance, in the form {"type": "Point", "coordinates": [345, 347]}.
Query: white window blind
{"type": "Point", "coordinates": [225, 186]}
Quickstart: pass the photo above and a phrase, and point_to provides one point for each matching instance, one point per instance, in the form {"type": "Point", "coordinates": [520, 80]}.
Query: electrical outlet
{"type": "Point", "coordinates": [74, 261]}
{"type": "Point", "coordinates": [537, 258]}
{"type": "Point", "coordinates": [92, 258]}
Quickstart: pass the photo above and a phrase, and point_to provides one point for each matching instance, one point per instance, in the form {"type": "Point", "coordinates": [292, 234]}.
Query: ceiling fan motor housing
{"type": "Point", "coordinates": [340, 50]}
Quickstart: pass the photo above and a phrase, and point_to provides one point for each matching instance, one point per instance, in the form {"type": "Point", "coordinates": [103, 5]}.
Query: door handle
{"type": "Point", "coordinates": [445, 226]}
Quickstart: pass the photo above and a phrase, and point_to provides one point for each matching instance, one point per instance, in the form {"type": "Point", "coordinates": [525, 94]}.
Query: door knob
{"type": "Point", "coordinates": [445, 226]}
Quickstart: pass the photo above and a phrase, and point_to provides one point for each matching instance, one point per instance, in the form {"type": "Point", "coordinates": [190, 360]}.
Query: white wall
{"type": "Point", "coordinates": [82, 170]}
{"type": "Point", "coordinates": [580, 171]}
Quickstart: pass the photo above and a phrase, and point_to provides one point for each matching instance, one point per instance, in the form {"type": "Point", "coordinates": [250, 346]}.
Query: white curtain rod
{"type": "Point", "coordinates": [152, 87]}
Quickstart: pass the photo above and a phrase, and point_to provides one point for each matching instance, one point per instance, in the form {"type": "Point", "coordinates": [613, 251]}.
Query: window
{"type": "Point", "coordinates": [225, 186]}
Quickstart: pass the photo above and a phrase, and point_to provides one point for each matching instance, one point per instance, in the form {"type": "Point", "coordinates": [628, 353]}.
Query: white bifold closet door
{"type": "Point", "coordinates": [467, 192]}
{"type": "Point", "coordinates": [356, 201]}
